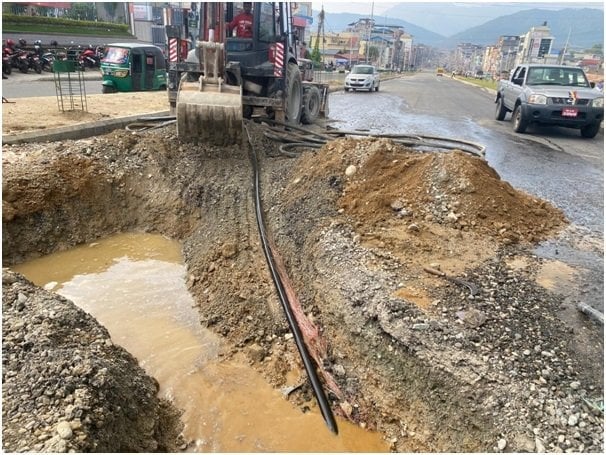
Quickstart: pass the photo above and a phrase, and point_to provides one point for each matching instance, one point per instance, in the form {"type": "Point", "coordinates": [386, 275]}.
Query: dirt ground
{"type": "Point", "coordinates": [429, 364]}
{"type": "Point", "coordinates": [25, 114]}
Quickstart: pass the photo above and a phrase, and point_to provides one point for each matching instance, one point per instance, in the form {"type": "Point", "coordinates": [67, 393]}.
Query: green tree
{"type": "Point", "coordinates": [110, 9]}
{"type": "Point", "coordinates": [83, 11]}
{"type": "Point", "coordinates": [315, 55]}
{"type": "Point", "coordinates": [373, 53]}
{"type": "Point", "coordinates": [596, 49]}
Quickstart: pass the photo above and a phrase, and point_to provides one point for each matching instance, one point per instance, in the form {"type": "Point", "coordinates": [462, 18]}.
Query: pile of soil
{"type": "Point", "coordinates": [416, 357]}
{"type": "Point", "coordinates": [64, 382]}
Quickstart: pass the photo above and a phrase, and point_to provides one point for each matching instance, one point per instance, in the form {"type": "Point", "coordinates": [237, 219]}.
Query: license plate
{"type": "Point", "coordinates": [569, 112]}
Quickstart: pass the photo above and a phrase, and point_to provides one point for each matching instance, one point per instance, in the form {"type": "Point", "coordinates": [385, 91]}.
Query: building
{"type": "Point", "coordinates": [337, 48]}
{"type": "Point", "coordinates": [507, 47]}
{"type": "Point", "coordinates": [468, 58]}
{"type": "Point", "coordinates": [302, 22]}
{"type": "Point", "coordinates": [535, 46]}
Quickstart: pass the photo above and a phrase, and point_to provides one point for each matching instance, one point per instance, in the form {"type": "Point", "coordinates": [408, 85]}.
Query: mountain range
{"type": "Point", "coordinates": [575, 28]}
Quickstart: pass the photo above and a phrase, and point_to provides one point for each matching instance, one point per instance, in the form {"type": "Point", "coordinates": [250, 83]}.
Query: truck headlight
{"type": "Point", "coordinates": [598, 102]}
{"type": "Point", "coordinates": [537, 99]}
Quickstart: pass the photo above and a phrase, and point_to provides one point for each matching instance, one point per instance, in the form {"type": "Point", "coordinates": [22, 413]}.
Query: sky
{"type": "Point", "coordinates": [445, 18]}
{"type": "Point", "coordinates": [378, 8]}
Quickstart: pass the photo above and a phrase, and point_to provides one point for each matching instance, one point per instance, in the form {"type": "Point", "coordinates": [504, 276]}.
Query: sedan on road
{"type": "Point", "coordinates": [363, 77]}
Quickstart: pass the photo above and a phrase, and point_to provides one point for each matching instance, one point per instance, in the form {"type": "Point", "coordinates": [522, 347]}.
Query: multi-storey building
{"type": "Point", "coordinates": [535, 46]}
{"type": "Point", "coordinates": [507, 48]}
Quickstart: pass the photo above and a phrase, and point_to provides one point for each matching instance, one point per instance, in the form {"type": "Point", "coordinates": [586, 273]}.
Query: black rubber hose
{"type": "Point", "coordinates": [290, 317]}
{"type": "Point", "coordinates": [160, 118]}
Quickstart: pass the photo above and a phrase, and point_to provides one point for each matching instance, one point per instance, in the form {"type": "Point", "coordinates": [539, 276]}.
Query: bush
{"type": "Point", "coordinates": [8, 19]}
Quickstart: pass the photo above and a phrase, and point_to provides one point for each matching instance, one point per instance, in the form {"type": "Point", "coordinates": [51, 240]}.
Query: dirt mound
{"type": "Point", "coordinates": [455, 188]}
{"type": "Point", "coordinates": [385, 183]}
{"type": "Point", "coordinates": [448, 210]}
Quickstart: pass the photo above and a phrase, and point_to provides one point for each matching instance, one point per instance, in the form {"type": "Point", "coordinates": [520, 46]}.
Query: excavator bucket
{"type": "Point", "coordinates": [209, 110]}
{"type": "Point", "coordinates": [209, 115]}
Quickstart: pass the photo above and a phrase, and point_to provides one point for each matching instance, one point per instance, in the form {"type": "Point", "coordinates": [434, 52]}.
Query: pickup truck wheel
{"type": "Point", "coordinates": [519, 122]}
{"type": "Point", "coordinates": [501, 111]}
{"type": "Point", "coordinates": [590, 131]}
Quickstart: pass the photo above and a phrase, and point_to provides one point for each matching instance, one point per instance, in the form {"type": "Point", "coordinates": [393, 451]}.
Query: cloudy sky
{"type": "Point", "coordinates": [378, 8]}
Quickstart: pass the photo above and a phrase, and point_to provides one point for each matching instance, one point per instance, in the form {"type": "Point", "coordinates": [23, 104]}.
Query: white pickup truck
{"type": "Point", "coordinates": [550, 95]}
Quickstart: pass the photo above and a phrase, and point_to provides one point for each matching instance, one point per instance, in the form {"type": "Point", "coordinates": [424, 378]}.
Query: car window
{"type": "Point", "coordinates": [362, 70]}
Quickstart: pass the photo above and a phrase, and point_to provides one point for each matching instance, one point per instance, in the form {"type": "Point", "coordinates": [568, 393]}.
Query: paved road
{"type": "Point", "coordinates": [19, 85]}
{"type": "Point", "coordinates": [552, 163]}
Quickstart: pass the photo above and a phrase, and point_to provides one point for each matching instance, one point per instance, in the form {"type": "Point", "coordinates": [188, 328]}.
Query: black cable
{"type": "Point", "coordinates": [290, 317]}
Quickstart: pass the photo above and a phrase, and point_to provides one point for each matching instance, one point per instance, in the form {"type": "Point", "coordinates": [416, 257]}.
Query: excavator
{"type": "Point", "coordinates": [225, 78]}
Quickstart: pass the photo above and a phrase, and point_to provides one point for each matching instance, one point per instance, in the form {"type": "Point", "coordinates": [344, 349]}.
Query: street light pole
{"type": "Point", "coordinates": [372, 9]}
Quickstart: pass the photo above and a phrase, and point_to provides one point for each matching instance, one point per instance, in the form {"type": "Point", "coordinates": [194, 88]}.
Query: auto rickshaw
{"type": "Point", "coordinates": [131, 67]}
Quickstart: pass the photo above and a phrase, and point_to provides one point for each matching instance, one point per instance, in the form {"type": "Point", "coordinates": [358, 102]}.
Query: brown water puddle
{"type": "Point", "coordinates": [134, 285]}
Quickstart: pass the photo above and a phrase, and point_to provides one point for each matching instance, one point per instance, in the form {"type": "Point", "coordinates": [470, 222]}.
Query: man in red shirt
{"type": "Point", "coordinates": [243, 22]}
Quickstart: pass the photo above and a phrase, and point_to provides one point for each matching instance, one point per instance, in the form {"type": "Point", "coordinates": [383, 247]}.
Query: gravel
{"type": "Point", "coordinates": [67, 388]}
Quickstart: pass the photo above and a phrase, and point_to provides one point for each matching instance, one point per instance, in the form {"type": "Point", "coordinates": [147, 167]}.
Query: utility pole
{"type": "Point", "coordinates": [563, 56]}
{"type": "Point", "coordinates": [316, 51]}
{"type": "Point", "coordinates": [372, 10]}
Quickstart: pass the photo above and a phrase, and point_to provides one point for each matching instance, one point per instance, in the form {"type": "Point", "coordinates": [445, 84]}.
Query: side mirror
{"type": "Point", "coordinates": [518, 80]}
{"type": "Point", "coordinates": [592, 84]}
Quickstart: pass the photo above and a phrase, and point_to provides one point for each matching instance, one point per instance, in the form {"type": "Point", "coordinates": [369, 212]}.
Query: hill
{"type": "Point", "coordinates": [585, 25]}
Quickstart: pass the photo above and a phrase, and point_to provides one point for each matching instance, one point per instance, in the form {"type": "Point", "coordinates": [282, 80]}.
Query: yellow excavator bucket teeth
{"type": "Point", "coordinates": [210, 116]}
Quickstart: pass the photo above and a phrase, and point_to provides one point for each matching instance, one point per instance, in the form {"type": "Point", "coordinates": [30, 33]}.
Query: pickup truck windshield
{"type": "Point", "coordinates": [557, 76]}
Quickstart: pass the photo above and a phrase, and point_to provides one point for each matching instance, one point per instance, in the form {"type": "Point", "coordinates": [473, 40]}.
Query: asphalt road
{"type": "Point", "coordinates": [553, 163]}
{"type": "Point", "coordinates": [19, 85]}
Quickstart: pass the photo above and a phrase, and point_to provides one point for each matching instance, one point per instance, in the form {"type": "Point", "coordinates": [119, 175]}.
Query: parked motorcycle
{"type": "Point", "coordinates": [6, 62]}
{"type": "Point", "coordinates": [89, 58]}
{"type": "Point", "coordinates": [46, 58]}
{"type": "Point", "coordinates": [33, 62]}
{"type": "Point", "coordinates": [20, 60]}
{"type": "Point", "coordinates": [17, 57]}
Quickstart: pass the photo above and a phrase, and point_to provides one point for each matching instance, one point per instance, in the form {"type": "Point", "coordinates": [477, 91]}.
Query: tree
{"type": "Point", "coordinates": [597, 49]}
{"type": "Point", "coordinates": [82, 11]}
{"type": "Point", "coordinates": [373, 53]}
{"type": "Point", "coordinates": [110, 9]}
{"type": "Point", "coordinates": [316, 56]}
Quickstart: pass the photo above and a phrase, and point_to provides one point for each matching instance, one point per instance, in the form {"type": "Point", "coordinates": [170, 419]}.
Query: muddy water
{"type": "Point", "coordinates": [133, 284]}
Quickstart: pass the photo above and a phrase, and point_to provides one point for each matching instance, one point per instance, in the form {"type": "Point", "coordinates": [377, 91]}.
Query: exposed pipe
{"type": "Point", "coordinates": [591, 312]}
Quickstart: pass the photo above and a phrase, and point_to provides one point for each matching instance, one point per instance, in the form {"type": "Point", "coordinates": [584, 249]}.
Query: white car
{"type": "Point", "coordinates": [363, 77]}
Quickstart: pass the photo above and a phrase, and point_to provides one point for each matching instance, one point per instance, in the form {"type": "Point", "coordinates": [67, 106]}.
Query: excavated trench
{"type": "Point", "coordinates": [414, 356]}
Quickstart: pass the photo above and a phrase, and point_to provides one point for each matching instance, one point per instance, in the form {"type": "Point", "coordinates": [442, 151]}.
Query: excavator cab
{"type": "Point", "coordinates": [240, 76]}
